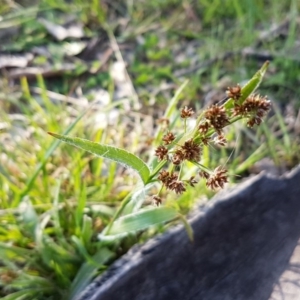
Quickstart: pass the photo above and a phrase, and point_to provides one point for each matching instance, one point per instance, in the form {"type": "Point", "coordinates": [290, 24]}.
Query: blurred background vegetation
{"type": "Point", "coordinates": [106, 70]}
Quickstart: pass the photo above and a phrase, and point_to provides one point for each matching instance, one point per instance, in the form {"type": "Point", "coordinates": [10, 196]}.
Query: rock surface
{"type": "Point", "coordinates": [246, 248]}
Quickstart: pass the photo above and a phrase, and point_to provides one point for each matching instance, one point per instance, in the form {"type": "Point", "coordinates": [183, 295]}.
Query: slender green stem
{"type": "Point", "coordinates": [179, 174]}
{"type": "Point", "coordinates": [200, 166]}
{"type": "Point", "coordinates": [156, 170]}
{"type": "Point", "coordinates": [118, 213]}
{"type": "Point", "coordinates": [161, 188]}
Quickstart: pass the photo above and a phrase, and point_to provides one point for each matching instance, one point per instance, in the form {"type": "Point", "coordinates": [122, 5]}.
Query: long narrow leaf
{"type": "Point", "coordinates": [137, 199]}
{"type": "Point", "coordinates": [142, 220]}
{"type": "Point", "coordinates": [169, 111]}
{"type": "Point", "coordinates": [23, 294]}
{"type": "Point", "coordinates": [118, 155]}
{"type": "Point", "coordinates": [87, 271]}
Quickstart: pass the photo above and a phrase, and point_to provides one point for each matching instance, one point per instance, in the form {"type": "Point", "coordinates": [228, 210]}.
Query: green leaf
{"type": "Point", "coordinates": [174, 100]}
{"type": "Point", "coordinates": [142, 220]}
{"type": "Point", "coordinates": [137, 199]}
{"type": "Point", "coordinates": [23, 294]}
{"type": "Point", "coordinates": [28, 216]}
{"type": "Point", "coordinates": [9, 250]}
{"type": "Point", "coordinates": [87, 271]}
{"type": "Point", "coordinates": [188, 227]}
{"type": "Point", "coordinates": [250, 86]}
{"type": "Point", "coordinates": [118, 155]}
{"type": "Point", "coordinates": [170, 110]}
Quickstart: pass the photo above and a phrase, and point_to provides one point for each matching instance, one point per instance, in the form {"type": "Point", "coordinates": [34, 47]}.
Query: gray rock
{"type": "Point", "coordinates": [245, 248]}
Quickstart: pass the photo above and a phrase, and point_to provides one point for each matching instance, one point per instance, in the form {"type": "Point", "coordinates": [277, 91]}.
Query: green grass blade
{"type": "Point", "coordinates": [87, 271]}
{"type": "Point", "coordinates": [142, 220]}
{"type": "Point", "coordinates": [188, 227]}
{"type": "Point", "coordinates": [170, 110]}
{"type": "Point", "coordinates": [6, 249]}
{"type": "Point", "coordinates": [49, 152]}
{"type": "Point", "coordinates": [137, 199]}
{"type": "Point", "coordinates": [118, 155]}
{"type": "Point", "coordinates": [23, 294]}
{"type": "Point", "coordinates": [172, 105]}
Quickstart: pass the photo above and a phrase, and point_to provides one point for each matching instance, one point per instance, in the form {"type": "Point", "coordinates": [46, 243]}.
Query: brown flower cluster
{"type": "Point", "coordinates": [192, 181]}
{"type": "Point", "coordinates": [215, 117]}
{"type": "Point", "coordinates": [168, 138]}
{"type": "Point", "coordinates": [234, 92]}
{"type": "Point", "coordinates": [203, 127]}
{"type": "Point", "coordinates": [172, 182]}
{"type": "Point", "coordinates": [186, 112]}
{"type": "Point", "coordinates": [189, 151]}
{"type": "Point", "coordinates": [210, 129]}
{"type": "Point", "coordinates": [156, 200]}
{"type": "Point", "coordinates": [217, 179]}
{"type": "Point", "coordinates": [162, 152]}
{"type": "Point", "coordinates": [254, 109]}
{"type": "Point", "coordinates": [205, 140]}
{"type": "Point", "coordinates": [220, 140]}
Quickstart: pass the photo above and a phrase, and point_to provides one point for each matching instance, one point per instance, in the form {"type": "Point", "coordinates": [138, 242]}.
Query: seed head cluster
{"type": "Point", "coordinates": [168, 138]}
{"type": "Point", "coordinates": [216, 117]}
{"type": "Point", "coordinates": [234, 92]}
{"type": "Point", "coordinates": [209, 130]}
{"type": "Point", "coordinates": [172, 182]}
{"type": "Point", "coordinates": [217, 179]}
{"type": "Point", "coordinates": [162, 152]}
{"type": "Point", "coordinates": [191, 150]}
{"type": "Point", "coordinates": [253, 109]}
{"type": "Point", "coordinates": [186, 112]}
{"type": "Point", "coordinates": [220, 140]}
{"type": "Point", "coordinates": [156, 200]}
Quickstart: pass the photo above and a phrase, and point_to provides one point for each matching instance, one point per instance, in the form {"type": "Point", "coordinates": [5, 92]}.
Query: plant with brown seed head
{"type": "Point", "coordinates": [174, 154]}
{"type": "Point", "coordinates": [161, 152]}
{"type": "Point", "coordinates": [177, 186]}
{"type": "Point", "coordinates": [192, 181]}
{"type": "Point", "coordinates": [168, 138]}
{"type": "Point", "coordinates": [234, 92]}
{"type": "Point", "coordinates": [220, 140]}
{"type": "Point", "coordinates": [218, 178]}
{"type": "Point", "coordinates": [204, 174]}
{"type": "Point", "coordinates": [186, 112]}
{"type": "Point", "coordinates": [217, 117]}
{"type": "Point", "coordinates": [191, 150]}
{"type": "Point", "coordinates": [203, 127]}
{"type": "Point", "coordinates": [205, 140]}
{"type": "Point", "coordinates": [163, 176]}
{"type": "Point", "coordinates": [178, 157]}
{"type": "Point", "coordinates": [253, 109]}
{"type": "Point", "coordinates": [156, 200]}
{"type": "Point", "coordinates": [209, 127]}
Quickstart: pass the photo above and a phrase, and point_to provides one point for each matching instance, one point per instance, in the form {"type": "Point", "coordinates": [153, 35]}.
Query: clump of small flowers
{"type": "Point", "coordinates": [168, 138]}
{"type": "Point", "coordinates": [253, 109]}
{"type": "Point", "coordinates": [234, 92]}
{"type": "Point", "coordinates": [209, 129]}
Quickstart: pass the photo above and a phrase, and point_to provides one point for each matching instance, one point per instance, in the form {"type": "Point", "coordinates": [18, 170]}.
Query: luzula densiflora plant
{"type": "Point", "coordinates": [175, 149]}
{"type": "Point", "coordinates": [209, 129]}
